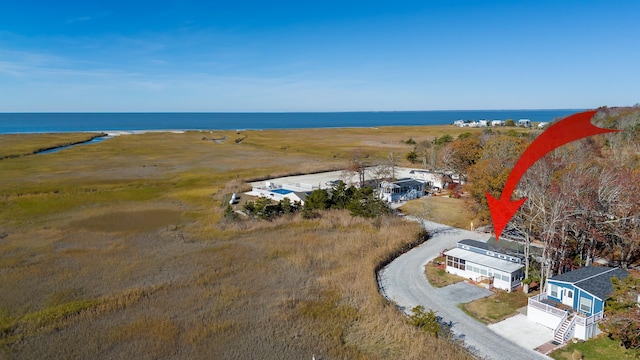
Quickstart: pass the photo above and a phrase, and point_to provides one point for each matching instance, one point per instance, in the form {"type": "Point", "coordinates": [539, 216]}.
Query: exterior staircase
{"type": "Point", "coordinates": [565, 330]}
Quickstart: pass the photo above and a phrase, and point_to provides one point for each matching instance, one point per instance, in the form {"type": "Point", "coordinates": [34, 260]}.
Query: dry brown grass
{"type": "Point", "coordinates": [126, 257]}
{"type": "Point", "coordinates": [441, 209]}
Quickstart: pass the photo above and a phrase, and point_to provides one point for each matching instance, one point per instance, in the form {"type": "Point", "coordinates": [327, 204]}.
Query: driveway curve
{"type": "Point", "coordinates": [403, 282]}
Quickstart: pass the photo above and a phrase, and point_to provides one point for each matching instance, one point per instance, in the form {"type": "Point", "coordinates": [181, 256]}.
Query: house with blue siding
{"type": "Point", "coordinates": [573, 302]}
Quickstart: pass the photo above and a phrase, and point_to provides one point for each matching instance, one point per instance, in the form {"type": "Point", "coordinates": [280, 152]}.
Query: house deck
{"type": "Point", "coordinates": [557, 305]}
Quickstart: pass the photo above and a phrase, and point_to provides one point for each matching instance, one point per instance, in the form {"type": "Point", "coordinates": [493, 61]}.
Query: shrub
{"type": "Point", "coordinates": [426, 321]}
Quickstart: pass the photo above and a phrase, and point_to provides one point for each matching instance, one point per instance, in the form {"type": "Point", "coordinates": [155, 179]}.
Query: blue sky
{"type": "Point", "coordinates": [61, 56]}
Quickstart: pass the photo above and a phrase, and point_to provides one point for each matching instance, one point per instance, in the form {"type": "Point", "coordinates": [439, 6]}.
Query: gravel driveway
{"type": "Point", "coordinates": [404, 283]}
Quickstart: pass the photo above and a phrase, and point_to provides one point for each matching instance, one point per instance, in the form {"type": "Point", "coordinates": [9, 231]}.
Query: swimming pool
{"type": "Point", "coordinates": [281, 191]}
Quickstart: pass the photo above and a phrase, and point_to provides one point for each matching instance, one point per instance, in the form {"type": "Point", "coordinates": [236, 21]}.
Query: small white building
{"type": "Point", "coordinates": [484, 263]}
{"type": "Point", "coordinates": [524, 122]}
{"type": "Point", "coordinates": [294, 192]}
{"type": "Point", "coordinates": [497, 123]}
{"type": "Point", "coordinates": [432, 180]}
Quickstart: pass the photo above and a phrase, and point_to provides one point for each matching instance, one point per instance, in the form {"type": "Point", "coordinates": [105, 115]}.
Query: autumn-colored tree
{"type": "Point", "coordinates": [583, 198]}
{"type": "Point", "coordinates": [622, 313]}
{"type": "Point", "coordinates": [459, 155]}
{"type": "Point", "coordinates": [490, 171]}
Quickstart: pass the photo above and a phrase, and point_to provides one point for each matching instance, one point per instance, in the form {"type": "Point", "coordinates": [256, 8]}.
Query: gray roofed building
{"type": "Point", "coordinates": [594, 279]}
{"type": "Point", "coordinates": [484, 260]}
{"type": "Point", "coordinates": [573, 303]}
{"type": "Point", "coordinates": [472, 260]}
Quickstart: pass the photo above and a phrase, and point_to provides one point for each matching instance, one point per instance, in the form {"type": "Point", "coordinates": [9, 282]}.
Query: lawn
{"type": "Point", "coordinates": [496, 307]}
{"type": "Point", "coordinates": [437, 275]}
{"type": "Point", "coordinates": [599, 348]}
{"type": "Point", "coordinates": [440, 209]}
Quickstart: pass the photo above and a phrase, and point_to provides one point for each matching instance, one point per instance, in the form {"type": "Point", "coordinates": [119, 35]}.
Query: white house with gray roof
{"type": "Point", "coordinates": [486, 263]}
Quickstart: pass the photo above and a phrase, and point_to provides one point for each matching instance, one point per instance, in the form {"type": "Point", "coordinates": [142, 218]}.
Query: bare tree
{"type": "Point", "coordinates": [358, 164]}
{"type": "Point", "coordinates": [427, 152]}
{"type": "Point", "coordinates": [380, 172]}
{"type": "Point", "coordinates": [392, 164]}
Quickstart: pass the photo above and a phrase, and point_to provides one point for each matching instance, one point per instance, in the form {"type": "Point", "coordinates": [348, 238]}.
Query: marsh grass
{"type": "Point", "coordinates": [15, 145]}
{"type": "Point", "coordinates": [118, 251]}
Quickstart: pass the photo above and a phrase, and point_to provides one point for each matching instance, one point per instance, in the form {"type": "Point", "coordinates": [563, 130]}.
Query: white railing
{"type": "Point", "coordinates": [585, 321]}
{"type": "Point", "coordinates": [536, 302]}
{"type": "Point", "coordinates": [557, 329]}
{"type": "Point", "coordinates": [568, 333]}
{"type": "Point", "coordinates": [483, 278]}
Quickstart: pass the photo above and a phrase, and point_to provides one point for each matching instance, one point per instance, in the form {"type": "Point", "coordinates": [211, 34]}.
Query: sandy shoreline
{"type": "Point", "coordinates": [137, 132]}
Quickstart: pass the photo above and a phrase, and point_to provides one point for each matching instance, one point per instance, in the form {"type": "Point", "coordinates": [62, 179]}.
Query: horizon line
{"type": "Point", "coordinates": [288, 112]}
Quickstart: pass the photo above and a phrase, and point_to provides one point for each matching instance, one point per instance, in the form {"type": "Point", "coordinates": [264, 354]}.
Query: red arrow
{"type": "Point", "coordinates": [571, 128]}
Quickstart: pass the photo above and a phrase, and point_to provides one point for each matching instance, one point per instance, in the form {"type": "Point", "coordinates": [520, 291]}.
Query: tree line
{"type": "Point", "coordinates": [583, 198]}
{"type": "Point", "coordinates": [361, 201]}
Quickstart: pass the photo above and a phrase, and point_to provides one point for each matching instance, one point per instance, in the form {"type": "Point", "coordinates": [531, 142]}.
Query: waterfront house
{"type": "Point", "coordinates": [573, 302]}
{"type": "Point", "coordinates": [524, 122]}
{"type": "Point", "coordinates": [486, 263]}
{"type": "Point", "coordinates": [401, 190]}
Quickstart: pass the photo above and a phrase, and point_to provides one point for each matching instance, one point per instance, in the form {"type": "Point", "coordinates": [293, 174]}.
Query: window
{"type": "Point", "coordinates": [585, 305]}
{"type": "Point", "coordinates": [554, 291]}
{"type": "Point", "coordinates": [455, 262]}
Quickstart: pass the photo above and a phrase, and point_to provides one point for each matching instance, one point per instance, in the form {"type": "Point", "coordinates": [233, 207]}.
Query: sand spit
{"type": "Point", "coordinates": [137, 132]}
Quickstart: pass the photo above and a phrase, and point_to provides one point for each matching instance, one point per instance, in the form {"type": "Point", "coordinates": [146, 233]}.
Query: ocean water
{"type": "Point", "coordinates": [70, 122]}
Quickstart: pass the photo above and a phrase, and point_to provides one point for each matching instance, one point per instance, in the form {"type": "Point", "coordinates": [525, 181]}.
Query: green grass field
{"type": "Point", "coordinates": [496, 307]}
{"type": "Point", "coordinates": [599, 348]}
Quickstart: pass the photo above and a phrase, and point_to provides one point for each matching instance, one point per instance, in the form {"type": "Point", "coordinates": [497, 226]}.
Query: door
{"type": "Point", "coordinates": [567, 297]}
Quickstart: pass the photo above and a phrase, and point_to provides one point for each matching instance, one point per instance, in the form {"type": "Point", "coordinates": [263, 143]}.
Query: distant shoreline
{"type": "Point", "coordinates": [19, 123]}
